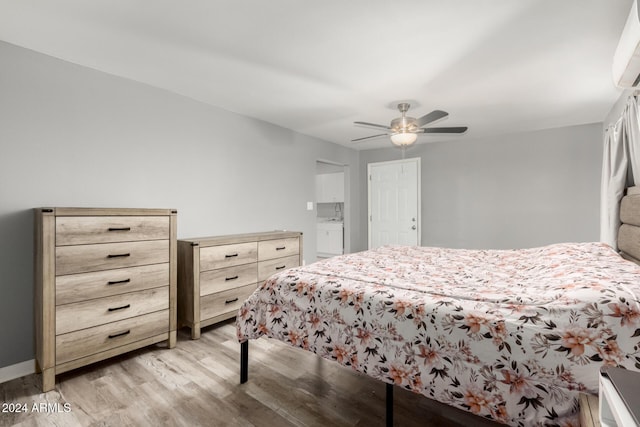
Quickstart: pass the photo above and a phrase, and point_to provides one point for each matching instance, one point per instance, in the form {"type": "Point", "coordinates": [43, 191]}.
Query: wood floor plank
{"type": "Point", "coordinates": [197, 384]}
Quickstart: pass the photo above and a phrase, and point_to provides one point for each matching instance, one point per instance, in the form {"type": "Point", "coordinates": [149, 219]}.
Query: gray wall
{"type": "Point", "coordinates": [511, 191]}
{"type": "Point", "coordinates": [72, 136]}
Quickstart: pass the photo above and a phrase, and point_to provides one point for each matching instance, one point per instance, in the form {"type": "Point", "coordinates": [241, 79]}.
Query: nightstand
{"type": "Point", "coordinates": [619, 397]}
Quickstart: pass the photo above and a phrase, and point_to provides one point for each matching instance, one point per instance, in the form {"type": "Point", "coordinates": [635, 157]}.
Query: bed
{"type": "Point", "coordinates": [509, 335]}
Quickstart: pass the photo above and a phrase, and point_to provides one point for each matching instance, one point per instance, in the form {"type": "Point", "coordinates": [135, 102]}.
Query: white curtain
{"type": "Point", "coordinates": [620, 168]}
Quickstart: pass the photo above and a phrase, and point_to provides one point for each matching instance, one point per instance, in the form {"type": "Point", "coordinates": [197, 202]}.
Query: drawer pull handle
{"type": "Point", "coordinates": [229, 301]}
{"type": "Point", "coordinates": [230, 278]}
{"type": "Point", "coordinates": [281, 267]}
{"type": "Point", "coordinates": [115, 282]}
{"type": "Point", "coordinates": [127, 332]}
{"type": "Point", "coordinates": [119, 228]}
{"type": "Point", "coordinates": [119, 308]}
{"type": "Point", "coordinates": [230, 256]}
{"type": "Point", "coordinates": [118, 255]}
{"type": "Point", "coordinates": [280, 248]}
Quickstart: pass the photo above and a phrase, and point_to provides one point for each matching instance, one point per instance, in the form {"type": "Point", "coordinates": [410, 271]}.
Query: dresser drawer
{"type": "Point", "coordinates": [213, 257]}
{"type": "Point", "coordinates": [86, 342]}
{"type": "Point", "coordinates": [228, 278]}
{"type": "Point", "coordinates": [79, 287]}
{"type": "Point", "coordinates": [268, 268]}
{"type": "Point", "coordinates": [86, 258]}
{"type": "Point", "coordinates": [269, 249]}
{"type": "Point", "coordinates": [224, 302]}
{"type": "Point", "coordinates": [81, 230]}
{"type": "Point", "coordinates": [86, 314]}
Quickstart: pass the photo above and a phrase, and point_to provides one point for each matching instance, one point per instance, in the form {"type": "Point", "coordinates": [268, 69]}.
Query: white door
{"type": "Point", "coordinates": [394, 203]}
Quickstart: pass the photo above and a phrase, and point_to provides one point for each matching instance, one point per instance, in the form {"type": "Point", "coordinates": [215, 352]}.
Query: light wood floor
{"type": "Point", "coordinates": [197, 384]}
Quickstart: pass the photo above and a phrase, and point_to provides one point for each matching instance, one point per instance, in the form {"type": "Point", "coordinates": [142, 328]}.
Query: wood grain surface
{"type": "Point", "coordinates": [197, 384]}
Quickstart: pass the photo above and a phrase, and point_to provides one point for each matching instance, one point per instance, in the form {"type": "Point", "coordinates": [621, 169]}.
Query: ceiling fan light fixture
{"type": "Point", "coordinates": [403, 139]}
{"type": "Point", "coordinates": [404, 130]}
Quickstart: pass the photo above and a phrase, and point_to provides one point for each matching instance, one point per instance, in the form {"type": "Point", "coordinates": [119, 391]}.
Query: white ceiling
{"type": "Point", "coordinates": [497, 66]}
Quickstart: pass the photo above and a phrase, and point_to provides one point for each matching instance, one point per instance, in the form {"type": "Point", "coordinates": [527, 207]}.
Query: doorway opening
{"type": "Point", "coordinates": [332, 219]}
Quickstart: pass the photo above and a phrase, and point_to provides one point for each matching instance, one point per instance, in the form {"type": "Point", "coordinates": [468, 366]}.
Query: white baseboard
{"type": "Point", "coordinates": [18, 370]}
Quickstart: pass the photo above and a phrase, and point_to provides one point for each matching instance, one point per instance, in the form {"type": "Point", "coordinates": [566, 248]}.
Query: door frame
{"type": "Point", "coordinates": [419, 195]}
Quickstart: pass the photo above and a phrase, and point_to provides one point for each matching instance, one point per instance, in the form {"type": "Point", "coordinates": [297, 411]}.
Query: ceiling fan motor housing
{"type": "Point", "coordinates": [404, 124]}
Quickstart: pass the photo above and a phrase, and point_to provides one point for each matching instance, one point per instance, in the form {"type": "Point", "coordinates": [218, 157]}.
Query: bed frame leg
{"type": "Point", "coordinates": [389, 405]}
{"type": "Point", "coordinates": [244, 361]}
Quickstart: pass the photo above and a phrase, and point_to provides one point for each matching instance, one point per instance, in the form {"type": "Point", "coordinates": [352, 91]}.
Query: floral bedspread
{"type": "Point", "coordinates": [511, 335]}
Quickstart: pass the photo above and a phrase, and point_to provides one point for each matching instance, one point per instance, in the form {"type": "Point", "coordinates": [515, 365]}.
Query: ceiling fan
{"type": "Point", "coordinates": [404, 130]}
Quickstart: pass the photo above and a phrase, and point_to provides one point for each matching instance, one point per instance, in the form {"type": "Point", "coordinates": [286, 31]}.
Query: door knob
{"type": "Point", "coordinates": [413, 227]}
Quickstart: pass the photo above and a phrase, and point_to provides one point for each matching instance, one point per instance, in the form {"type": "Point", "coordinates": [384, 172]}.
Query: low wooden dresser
{"type": "Point", "coordinates": [217, 274]}
{"type": "Point", "coordinates": [105, 284]}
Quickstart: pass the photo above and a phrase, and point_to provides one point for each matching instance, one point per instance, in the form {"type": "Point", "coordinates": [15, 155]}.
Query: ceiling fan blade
{"type": "Point", "coordinates": [373, 125]}
{"type": "Point", "coordinates": [368, 137]}
{"type": "Point", "coordinates": [460, 129]}
{"type": "Point", "coordinates": [433, 116]}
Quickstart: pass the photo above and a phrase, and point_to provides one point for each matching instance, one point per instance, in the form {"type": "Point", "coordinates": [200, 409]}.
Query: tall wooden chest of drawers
{"type": "Point", "coordinates": [217, 274]}
{"type": "Point", "coordinates": [105, 284]}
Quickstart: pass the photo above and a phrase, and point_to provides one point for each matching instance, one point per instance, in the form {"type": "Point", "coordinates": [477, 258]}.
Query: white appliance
{"type": "Point", "coordinates": [626, 60]}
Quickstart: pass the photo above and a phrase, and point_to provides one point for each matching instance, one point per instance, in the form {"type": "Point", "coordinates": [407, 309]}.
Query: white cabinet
{"type": "Point", "coordinates": [330, 239]}
{"type": "Point", "coordinates": [330, 187]}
